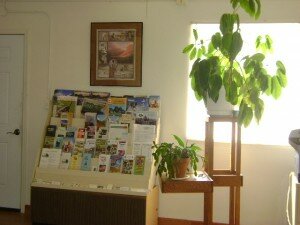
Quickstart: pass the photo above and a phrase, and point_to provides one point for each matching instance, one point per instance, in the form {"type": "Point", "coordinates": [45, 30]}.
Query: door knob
{"type": "Point", "coordinates": [16, 132]}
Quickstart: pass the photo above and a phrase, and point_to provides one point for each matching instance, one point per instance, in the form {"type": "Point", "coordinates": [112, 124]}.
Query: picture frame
{"type": "Point", "coordinates": [116, 54]}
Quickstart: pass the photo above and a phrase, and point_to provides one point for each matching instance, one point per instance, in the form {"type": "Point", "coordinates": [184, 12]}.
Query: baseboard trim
{"type": "Point", "coordinates": [171, 221]}
{"type": "Point", "coordinates": [9, 209]}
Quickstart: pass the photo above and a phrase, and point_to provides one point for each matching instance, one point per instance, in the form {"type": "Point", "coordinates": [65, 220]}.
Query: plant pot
{"type": "Point", "coordinates": [221, 107]}
{"type": "Point", "coordinates": [180, 167]}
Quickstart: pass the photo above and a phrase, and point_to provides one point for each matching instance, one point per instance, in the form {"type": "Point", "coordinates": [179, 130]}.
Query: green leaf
{"type": "Point", "coordinates": [226, 44]}
{"type": "Point", "coordinates": [234, 3]}
{"type": "Point", "coordinates": [259, 109]}
{"type": "Point", "coordinates": [258, 9]}
{"type": "Point", "coordinates": [281, 67]}
{"type": "Point", "coordinates": [179, 140]}
{"type": "Point", "coordinates": [227, 78]}
{"type": "Point", "coordinates": [252, 7]}
{"type": "Point", "coordinates": [241, 114]}
{"type": "Point", "coordinates": [194, 68]}
{"type": "Point", "coordinates": [215, 83]}
{"type": "Point", "coordinates": [195, 34]}
{"type": "Point", "coordinates": [195, 148]}
{"type": "Point", "coordinates": [199, 53]}
{"type": "Point", "coordinates": [264, 82]}
{"type": "Point", "coordinates": [216, 40]}
{"type": "Point", "coordinates": [198, 96]}
{"type": "Point", "coordinates": [282, 79]}
{"type": "Point", "coordinates": [248, 117]}
{"type": "Point", "coordinates": [198, 84]}
{"type": "Point", "coordinates": [203, 73]}
{"type": "Point", "coordinates": [210, 49]}
{"type": "Point", "coordinates": [258, 41]}
{"type": "Point", "coordinates": [269, 89]}
{"type": "Point", "coordinates": [230, 86]}
{"type": "Point", "coordinates": [195, 88]}
{"type": "Point", "coordinates": [249, 65]}
{"type": "Point", "coordinates": [245, 114]}
{"type": "Point", "coordinates": [193, 53]}
{"type": "Point", "coordinates": [237, 21]}
{"type": "Point", "coordinates": [245, 5]}
{"type": "Point", "coordinates": [192, 73]}
{"type": "Point", "coordinates": [281, 74]}
{"type": "Point", "coordinates": [214, 65]}
{"type": "Point", "coordinates": [236, 45]}
{"type": "Point", "coordinates": [276, 88]}
{"type": "Point", "coordinates": [238, 78]}
{"type": "Point", "coordinates": [254, 96]}
{"type": "Point", "coordinates": [201, 78]}
{"type": "Point", "coordinates": [232, 94]}
{"type": "Point", "coordinates": [203, 49]}
{"type": "Point", "coordinates": [259, 57]}
{"type": "Point", "coordinates": [188, 48]}
{"type": "Point", "coordinates": [227, 23]}
{"type": "Point", "coordinates": [269, 42]}
{"type": "Point", "coordinates": [264, 44]}
{"type": "Point", "coordinates": [193, 83]}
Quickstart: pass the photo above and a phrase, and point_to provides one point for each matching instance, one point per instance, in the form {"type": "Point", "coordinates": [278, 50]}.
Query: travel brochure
{"type": "Point", "coordinates": [94, 131]}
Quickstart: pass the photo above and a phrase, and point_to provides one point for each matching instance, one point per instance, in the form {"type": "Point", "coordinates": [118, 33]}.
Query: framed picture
{"type": "Point", "coordinates": [116, 54]}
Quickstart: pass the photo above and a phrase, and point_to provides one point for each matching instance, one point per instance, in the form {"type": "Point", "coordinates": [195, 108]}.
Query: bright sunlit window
{"type": "Point", "coordinates": [280, 116]}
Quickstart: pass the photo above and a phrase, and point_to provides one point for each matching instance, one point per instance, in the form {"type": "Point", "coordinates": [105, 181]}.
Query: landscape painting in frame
{"type": "Point", "coordinates": [116, 54]}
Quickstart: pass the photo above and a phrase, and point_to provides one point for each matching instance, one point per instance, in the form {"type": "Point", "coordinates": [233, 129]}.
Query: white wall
{"type": "Point", "coordinates": [35, 26]}
{"type": "Point", "coordinates": [63, 31]}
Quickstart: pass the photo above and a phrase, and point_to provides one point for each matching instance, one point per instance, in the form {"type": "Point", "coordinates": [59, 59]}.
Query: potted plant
{"type": "Point", "coordinates": [216, 66]}
{"type": "Point", "coordinates": [173, 159]}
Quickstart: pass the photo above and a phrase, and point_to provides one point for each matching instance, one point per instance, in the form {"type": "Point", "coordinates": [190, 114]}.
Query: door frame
{"type": "Point", "coordinates": [24, 149]}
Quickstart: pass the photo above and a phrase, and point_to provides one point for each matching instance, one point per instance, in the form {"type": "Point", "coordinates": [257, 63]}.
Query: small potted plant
{"type": "Point", "coordinates": [174, 159]}
{"type": "Point", "coordinates": [218, 66]}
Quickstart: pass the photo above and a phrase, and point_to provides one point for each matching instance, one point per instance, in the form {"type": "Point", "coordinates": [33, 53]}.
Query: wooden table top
{"type": "Point", "coordinates": [192, 184]}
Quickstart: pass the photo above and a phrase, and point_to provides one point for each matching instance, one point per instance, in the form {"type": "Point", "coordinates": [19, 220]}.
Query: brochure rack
{"type": "Point", "coordinates": [77, 197]}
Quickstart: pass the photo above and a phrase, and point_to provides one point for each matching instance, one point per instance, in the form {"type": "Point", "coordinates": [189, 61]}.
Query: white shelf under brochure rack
{"type": "Point", "coordinates": [97, 182]}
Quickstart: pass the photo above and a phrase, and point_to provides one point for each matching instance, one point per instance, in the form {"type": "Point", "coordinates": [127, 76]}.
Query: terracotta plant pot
{"type": "Point", "coordinates": [180, 167]}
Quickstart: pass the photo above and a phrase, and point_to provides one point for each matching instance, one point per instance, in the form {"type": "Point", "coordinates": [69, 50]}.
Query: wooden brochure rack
{"type": "Point", "coordinates": [77, 197]}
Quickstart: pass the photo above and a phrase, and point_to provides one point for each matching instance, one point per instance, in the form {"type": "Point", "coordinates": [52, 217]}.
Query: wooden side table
{"type": "Point", "coordinates": [194, 184]}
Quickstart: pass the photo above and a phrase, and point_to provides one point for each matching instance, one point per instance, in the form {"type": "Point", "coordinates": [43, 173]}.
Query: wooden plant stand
{"type": "Point", "coordinates": [231, 177]}
{"type": "Point", "coordinates": [200, 184]}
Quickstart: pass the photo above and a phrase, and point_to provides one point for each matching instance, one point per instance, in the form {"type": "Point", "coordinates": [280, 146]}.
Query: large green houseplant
{"type": "Point", "coordinates": [245, 80]}
{"type": "Point", "coordinates": [169, 156]}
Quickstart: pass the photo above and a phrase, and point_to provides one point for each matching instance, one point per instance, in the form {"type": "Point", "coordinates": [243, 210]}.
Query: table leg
{"type": "Point", "coordinates": [208, 208]}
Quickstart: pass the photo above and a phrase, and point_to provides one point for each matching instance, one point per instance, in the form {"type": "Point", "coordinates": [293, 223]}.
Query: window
{"type": "Point", "coordinates": [280, 116]}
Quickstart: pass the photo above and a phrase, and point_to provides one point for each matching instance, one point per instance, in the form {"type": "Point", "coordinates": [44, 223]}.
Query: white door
{"type": "Point", "coordinates": [11, 91]}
